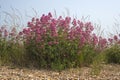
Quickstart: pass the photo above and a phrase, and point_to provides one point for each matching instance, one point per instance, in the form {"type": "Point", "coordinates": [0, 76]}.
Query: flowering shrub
{"type": "Point", "coordinates": [61, 43]}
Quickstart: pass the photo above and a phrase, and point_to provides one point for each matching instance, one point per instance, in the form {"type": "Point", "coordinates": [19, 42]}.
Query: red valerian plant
{"type": "Point", "coordinates": [59, 41]}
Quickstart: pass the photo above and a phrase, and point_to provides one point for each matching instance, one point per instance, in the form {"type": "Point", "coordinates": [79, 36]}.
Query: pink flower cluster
{"type": "Point", "coordinates": [5, 33]}
{"type": "Point", "coordinates": [114, 40]}
{"type": "Point", "coordinates": [49, 30]}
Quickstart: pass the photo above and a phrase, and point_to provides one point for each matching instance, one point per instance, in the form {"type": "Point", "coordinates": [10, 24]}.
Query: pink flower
{"type": "Point", "coordinates": [26, 31]}
{"type": "Point", "coordinates": [78, 30]}
{"type": "Point", "coordinates": [81, 25]}
{"type": "Point", "coordinates": [37, 20]}
{"type": "Point", "coordinates": [5, 33]}
{"type": "Point", "coordinates": [60, 18]}
{"type": "Point", "coordinates": [71, 35]}
{"type": "Point", "coordinates": [110, 40]}
{"type": "Point", "coordinates": [102, 42]}
{"type": "Point", "coordinates": [50, 43]}
{"type": "Point", "coordinates": [74, 22]}
{"type": "Point", "coordinates": [49, 14]}
{"type": "Point", "coordinates": [91, 28]}
{"type": "Point", "coordinates": [53, 29]}
{"type": "Point", "coordinates": [20, 33]}
{"type": "Point", "coordinates": [38, 39]}
{"type": "Point", "coordinates": [38, 31]}
{"type": "Point", "coordinates": [54, 34]}
{"type": "Point", "coordinates": [42, 19]}
{"type": "Point", "coordinates": [30, 24]}
{"type": "Point", "coordinates": [67, 20]}
{"type": "Point", "coordinates": [95, 39]}
{"type": "Point", "coordinates": [82, 41]}
{"type": "Point", "coordinates": [87, 24]}
{"type": "Point", "coordinates": [33, 19]}
{"type": "Point", "coordinates": [115, 38]}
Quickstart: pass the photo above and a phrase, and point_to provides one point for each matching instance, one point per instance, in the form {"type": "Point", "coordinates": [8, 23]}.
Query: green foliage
{"type": "Point", "coordinates": [57, 56]}
{"type": "Point", "coordinates": [113, 54]}
{"type": "Point", "coordinates": [11, 53]}
{"type": "Point", "coordinates": [87, 55]}
{"type": "Point", "coordinates": [97, 63]}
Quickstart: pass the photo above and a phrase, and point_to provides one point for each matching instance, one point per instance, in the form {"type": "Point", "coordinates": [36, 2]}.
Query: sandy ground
{"type": "Point", "coordinates": [108, 72]}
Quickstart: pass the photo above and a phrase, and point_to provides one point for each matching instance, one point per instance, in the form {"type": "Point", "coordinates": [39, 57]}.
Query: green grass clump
{"type": "Point", "coordinates": [11, 53]}
{"type": "Point", "coordinates": [113, 54]}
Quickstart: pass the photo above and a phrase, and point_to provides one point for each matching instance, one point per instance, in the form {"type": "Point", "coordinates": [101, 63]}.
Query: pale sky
{"type": "Point", "coordinates": [100, 11]}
